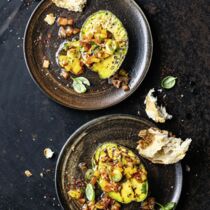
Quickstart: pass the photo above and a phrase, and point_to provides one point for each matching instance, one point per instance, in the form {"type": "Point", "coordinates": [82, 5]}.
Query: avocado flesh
{"type": "Point", "coordinates": [131, 189]}
{"type": "Point", "coordinates": [70, 61]}
{"type": "Point", "coordinates": [108, 66]}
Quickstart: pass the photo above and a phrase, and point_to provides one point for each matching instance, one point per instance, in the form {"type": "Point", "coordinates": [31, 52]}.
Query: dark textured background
{"type": "Point", "coordinates": [29, 121]}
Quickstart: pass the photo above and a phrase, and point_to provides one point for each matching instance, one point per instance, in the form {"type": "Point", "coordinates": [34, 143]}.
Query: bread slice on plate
{"type": "Point", "coordinates": [161, 147]}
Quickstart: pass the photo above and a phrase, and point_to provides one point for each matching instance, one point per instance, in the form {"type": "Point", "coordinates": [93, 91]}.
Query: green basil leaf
{"type": "Point", "coordinates": [89, 174]}
{"type": "Point", "coordinates": [90, 192]}
{"type": "Point", "coordinates": [168, 82]}
{"type": "Point", "coordinates": [75, 80]}
{"type": "Point", "coordinates": [161, 206]}
{"type": "Point", "coordinates": [84, 80]}
{"type": "Point", "coordinates": [66, 46]}
{"type": "Point", "coordinates": [169, 206]}
{"type": "Point", "coordinates": [144, 188]}
{"type": "Point", "coordinates": [79, 84]}
{"type": "Point", "coordinates": [78, 87]}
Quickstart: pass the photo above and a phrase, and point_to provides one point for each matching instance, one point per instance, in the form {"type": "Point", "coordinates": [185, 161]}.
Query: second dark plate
{"type": "Point", "coordinates": [102, 94]}
{"type": "Point", "coordinates": [165, 182]}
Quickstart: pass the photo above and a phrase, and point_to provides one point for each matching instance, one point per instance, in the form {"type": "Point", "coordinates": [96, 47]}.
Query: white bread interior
{"type": "Point", "coordinates": [159, 146]}
{"type": "Point", "coordinates": [155, 112]}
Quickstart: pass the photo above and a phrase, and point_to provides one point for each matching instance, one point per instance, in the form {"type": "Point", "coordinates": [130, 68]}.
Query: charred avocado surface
{"type": "Point", "coordinates": [104, 43]}
{"type": "Point", "coordinates": [121, 173]}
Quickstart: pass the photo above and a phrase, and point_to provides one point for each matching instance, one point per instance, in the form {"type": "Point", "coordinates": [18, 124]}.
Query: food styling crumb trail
{"type": "Point", "coordinates": [28, 173]}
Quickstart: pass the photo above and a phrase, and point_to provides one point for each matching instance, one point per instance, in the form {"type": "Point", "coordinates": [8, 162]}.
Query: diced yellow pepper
{"type": "Point", "coordinates": [75, 194]}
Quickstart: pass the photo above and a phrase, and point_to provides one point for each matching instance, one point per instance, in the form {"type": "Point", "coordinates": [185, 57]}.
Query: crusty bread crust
{"type": "Point", "coordinates": [160, 146]}
{"type": "Point", "coordinates": [155, 112]}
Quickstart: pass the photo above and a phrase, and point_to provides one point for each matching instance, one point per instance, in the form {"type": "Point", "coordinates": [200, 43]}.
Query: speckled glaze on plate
{"type": "Point", "coordinates": [165, 182]}
{"type": "Point", "coordinates": [101, 94]}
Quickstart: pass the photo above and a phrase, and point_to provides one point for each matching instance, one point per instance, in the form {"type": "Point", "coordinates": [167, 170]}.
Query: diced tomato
{"type": "Point", "coordinates": [93, 180]}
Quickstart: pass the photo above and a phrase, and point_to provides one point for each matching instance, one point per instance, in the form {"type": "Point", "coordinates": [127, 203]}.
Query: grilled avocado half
{"type": "Point", "coordinates": [97, 26]}
{"type": "Point", "coordinates": [122, 175]}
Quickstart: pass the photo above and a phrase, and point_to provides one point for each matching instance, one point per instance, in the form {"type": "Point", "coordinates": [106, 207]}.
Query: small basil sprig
{"type": "Point", "coordinates": [79, 84]}
{"type": "Point", "coordinates": [90, 192]}
{"type": "Point", "coordinates": [168, 206]}
{"type": "Point", "coordinates": [168, 82]}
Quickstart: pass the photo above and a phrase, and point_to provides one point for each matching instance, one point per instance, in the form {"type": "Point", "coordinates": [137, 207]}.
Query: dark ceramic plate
{"type": "Point", "coordinates": [165, 182]}
{"type": "Point", "coordinates": [101, 94]}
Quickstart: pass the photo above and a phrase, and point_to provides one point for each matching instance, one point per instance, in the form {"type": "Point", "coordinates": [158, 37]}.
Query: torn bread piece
{"type": "Point", "coordinates": [71, 5]}
{"type": "Point", "coordinates": [155, 112]}
{"type": "Point", "coordinates": [160, 146]}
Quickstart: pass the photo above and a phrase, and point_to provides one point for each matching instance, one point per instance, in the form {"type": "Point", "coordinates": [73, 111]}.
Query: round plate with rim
{"type": "Point", "coordinates": [165, 182]}
{"type": "Point", "coordinates": [41, 41]}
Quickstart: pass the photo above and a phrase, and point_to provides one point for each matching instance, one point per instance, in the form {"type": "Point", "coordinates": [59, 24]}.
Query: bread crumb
{"type": "Point", "coordinates": [187, 168]}
{"type": "Point", "coordinates": [28, 173]}
{"type": "Point", "coordinates": [48, 153]}
{"type": "Point", "coordinates": [50, 19]}
{"type": "Point", "coordinates": [46, 64]}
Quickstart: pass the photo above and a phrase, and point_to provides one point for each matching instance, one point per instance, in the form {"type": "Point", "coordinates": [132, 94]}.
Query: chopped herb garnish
{"type": "Point", "coordinates": [90, 192]}
{"type": "Point", "coordinates": [79, 84]}
{"type": "Point", "coordinates": [66, 46]}
{"type": "Point", "coordinates": [89, 174]}
{"type": "Point", "coordinates": [167, 206]}
{"type": "Point", "coordinates": [168, 82]}
{"type": "Point", "coordinates": [144, 188]}
{"type": "Point", "coordinates": [92, 43]}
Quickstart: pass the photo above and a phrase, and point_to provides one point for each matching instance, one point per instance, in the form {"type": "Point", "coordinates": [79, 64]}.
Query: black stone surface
{"type": "Point", "coordinates": [30, 122]}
